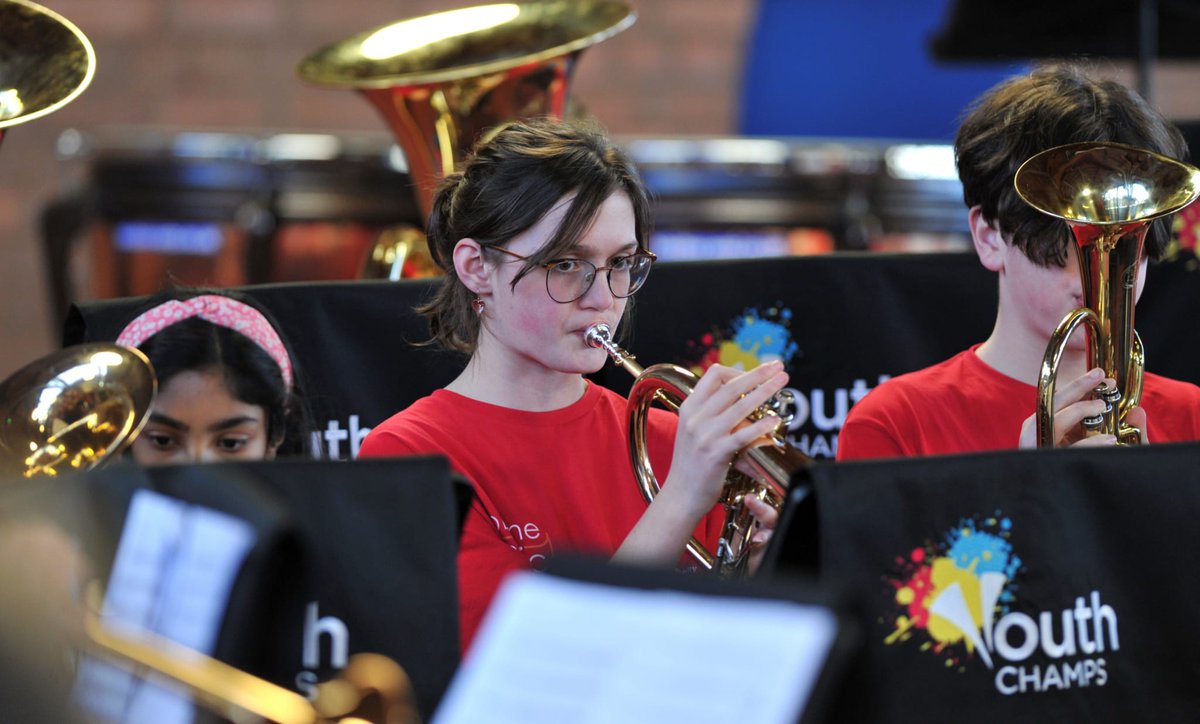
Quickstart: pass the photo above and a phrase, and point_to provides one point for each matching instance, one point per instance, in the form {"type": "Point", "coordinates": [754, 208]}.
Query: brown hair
{"type": "Point", "coordinates": [1028, 114]}
{"type": "Point", "coordinates": [509, 182]}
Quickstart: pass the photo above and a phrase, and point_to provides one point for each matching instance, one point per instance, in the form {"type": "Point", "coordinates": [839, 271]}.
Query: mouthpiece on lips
{"type": "Point", "coordinates": [598, 335]}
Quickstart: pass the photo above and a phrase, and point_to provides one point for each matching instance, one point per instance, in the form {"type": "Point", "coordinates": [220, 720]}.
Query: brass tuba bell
{"type": "Point", "coordinates": [45, 62]}
{"type": "Point", "coordinates": [1107, 193]}
{"type": "Point", "coordinates": [73, 409]}
{"type": "Point", "coordinates": [442, 81]}
{"type": "Point", "coordinates": [764, 472]}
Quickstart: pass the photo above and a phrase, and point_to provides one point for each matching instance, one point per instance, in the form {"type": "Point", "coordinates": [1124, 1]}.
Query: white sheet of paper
{"type": "Point", "coordinates": [174, 570]}
{"type": "Point", "coordinates": [559, 650]}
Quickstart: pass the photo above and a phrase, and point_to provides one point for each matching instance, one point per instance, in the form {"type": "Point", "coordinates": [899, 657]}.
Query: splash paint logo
{"type": "Point", "coordinates": [754, 337]}
{"type": "Point", "coordinates": [955, 598]}
{"type": "Point", "coordinates": [760, 335]}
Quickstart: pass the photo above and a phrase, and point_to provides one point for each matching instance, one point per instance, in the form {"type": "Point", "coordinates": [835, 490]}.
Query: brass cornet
{"type": "Point", "coordinates": [764, 472]}
{"type": "Point", "coordinates": [1107, 193]}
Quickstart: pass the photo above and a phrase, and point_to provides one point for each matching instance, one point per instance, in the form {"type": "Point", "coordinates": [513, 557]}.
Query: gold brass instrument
{"type": "Point", "coordinates": [45, 62]}
{"type": "Point", "coordinates": [1108, 194]}
{"type": "Point", "coordinates": [764, 472]}
{"type": "Point", "coordinates": [77, 407]}
{"type": "Point", "coordinates": [73, 409]}
{"type": "Point", "coordinates": [372, 688]}
{"type": "Point", "coordinates": [442, 81]}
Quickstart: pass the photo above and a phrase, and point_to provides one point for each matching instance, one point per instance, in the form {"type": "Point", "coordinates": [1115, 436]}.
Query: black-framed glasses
{"type": "Point", "coordinates": [569, 279]}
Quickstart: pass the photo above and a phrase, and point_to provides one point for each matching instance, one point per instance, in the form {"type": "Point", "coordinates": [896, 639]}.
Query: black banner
{"type": "Point", "coordinates": [1015, 586]}
{"type": "Point", "coordinates": [841, 323]}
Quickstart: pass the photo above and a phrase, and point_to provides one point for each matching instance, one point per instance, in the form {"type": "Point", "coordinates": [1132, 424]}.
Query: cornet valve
{"type": "Point", "coordinates": [1110, 395]}
{"type": "Point", "coordinates": [783, 404]}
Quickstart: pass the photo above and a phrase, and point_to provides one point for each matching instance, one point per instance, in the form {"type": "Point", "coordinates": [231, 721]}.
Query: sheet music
{"type": "Point", "coordinates": [175, 567]}
{"type": "Point", "coordinates": [559, 650]}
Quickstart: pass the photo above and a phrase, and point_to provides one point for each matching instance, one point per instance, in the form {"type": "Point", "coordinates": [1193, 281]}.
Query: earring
{"type": "Point", "coordinates": [478, 305]}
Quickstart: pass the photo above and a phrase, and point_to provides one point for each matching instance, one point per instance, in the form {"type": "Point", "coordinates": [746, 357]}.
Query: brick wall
{"type": "Point", "coordinates": [230, 64]}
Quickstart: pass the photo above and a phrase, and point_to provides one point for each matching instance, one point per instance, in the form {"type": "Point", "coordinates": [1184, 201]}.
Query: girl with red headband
{"type": "Point", "coordinates": [226, 382]}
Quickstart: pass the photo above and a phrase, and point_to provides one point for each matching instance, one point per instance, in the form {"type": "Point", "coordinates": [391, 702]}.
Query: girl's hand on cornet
{"type": "Point", "coordinates": [713, 428]}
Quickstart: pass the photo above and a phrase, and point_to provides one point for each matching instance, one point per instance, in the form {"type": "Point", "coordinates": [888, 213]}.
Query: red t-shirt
{"type": "Point", "coordinates": [963, 405]}
{"type": "Point", "coordinates": [545, 482]}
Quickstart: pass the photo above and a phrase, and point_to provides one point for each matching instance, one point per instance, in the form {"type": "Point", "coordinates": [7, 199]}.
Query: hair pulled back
{"type": "Point", "coordinates": [507, 184]}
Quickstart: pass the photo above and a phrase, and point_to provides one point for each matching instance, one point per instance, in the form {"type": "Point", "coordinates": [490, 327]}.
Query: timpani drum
{"type": "Point", "coordinates": [156, 210]}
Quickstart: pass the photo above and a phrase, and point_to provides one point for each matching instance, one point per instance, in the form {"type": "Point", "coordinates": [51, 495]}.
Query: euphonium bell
{"type": "Point", "coordinates": [441, 81]}
{"type": "Point", "coordinates": [45, 62]}
{"type": "Point", "coordinates": [764, 472]}
{"type": "Point", "coordinates": [1107, 193]}
{"type": "Point", "coordinates": [73, 409]}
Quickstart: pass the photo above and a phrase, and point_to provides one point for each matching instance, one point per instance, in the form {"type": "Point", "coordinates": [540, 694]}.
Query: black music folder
{"type": "Point", "coordinates": [1038, 585]}
{"type": "Point", "coordinates": [283, 569]}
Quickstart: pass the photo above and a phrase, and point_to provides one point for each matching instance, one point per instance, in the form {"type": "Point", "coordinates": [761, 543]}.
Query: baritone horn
{"type": "Point", "coordinates": [1108, 194]}
{"type": "Point", "coordinates": [764, 472]}
{"type": "Point", "coordinates": [442, 81]}
{"type": "Point", "coordinates": [371, 688]}
{"type": "Point", "coordinates": [73, 409]}
{"type": "Point", "coordinates": [45, 62]}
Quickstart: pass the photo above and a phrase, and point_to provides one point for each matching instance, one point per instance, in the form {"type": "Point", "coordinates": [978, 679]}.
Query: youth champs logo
{"type": "Point", "coordinates": [950, 591]}
{"type": "Point", "coordinates": [955, 598]}
{"type": "Point", "coordinates": [754, 337]}
{"type": "Point", "coordinates": [760, 335]}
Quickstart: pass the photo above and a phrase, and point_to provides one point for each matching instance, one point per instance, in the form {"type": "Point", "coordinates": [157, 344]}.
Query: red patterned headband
{"type": "Point", "coordinates": [218, 310]}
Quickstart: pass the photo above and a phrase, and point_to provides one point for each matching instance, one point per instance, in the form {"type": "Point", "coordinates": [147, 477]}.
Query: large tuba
{"type": "Point", "coordinates": [45, 62]}
{"type": "Point", "coordinates": [441, 81]}
{"type": "Point", "coordinates": [764, 472]}
{"type": "Point", "coordinates": [1108, 194]}
{"type": "Point", "coordinates": [73, 409]}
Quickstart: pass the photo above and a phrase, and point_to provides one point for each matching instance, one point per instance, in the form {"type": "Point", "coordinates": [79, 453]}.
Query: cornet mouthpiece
{"type": "Point", "coordinates": [598, 335]}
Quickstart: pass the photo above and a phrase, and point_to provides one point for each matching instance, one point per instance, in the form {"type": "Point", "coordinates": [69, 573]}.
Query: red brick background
{"type": "Point", "coordinates": [230, 64]}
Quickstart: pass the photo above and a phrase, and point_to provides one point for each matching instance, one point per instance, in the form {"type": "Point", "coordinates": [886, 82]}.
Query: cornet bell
{"type": "Point", "coordinates": [1108, 194]}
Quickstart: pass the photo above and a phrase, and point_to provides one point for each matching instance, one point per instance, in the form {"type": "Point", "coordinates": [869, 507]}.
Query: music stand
{"type": "Point", "coordinates": [346, 558]}
{"type": "Point", "coordinates": [1015, 585]}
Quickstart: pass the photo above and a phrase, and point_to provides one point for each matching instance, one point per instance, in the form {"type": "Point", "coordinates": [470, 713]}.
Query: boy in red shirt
{"type": "Point", "coordinates": [984, 398]}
